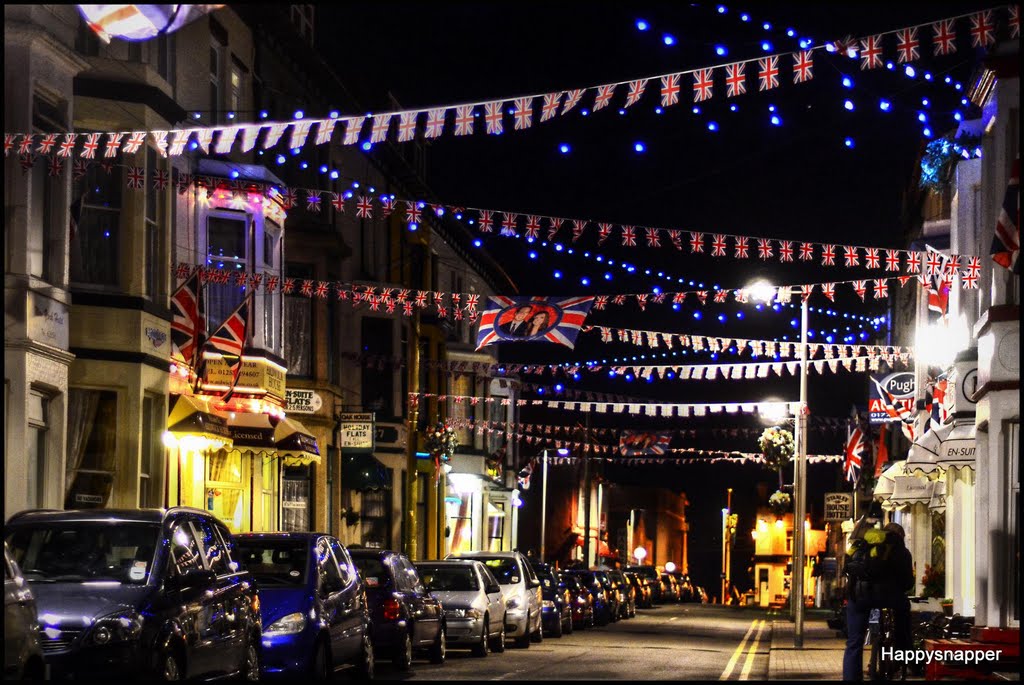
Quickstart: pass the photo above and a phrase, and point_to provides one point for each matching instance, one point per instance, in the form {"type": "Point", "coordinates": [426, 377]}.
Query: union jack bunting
{"type": "Point", "coordinates": [944, 40]}
{"type": "Point", "coordinates": [871, 52]}
{"type": "Point", "coordinates": [572, 99]}
{"type": "Point", "coordinates": [523, 113]}
{"type": "Point", "coordinates": [540, 319]}
{"type": "Point", "coordinates": [718, 245]}
{"type": "Point", "coordinates": [785, 250]}
{"type": "Point", "coordinates": [387, 205]}
{"type": "Point", "coordinates": [828, 255]}
{"type": "Point", "coordinates": [806, 290]}
{"type": "Point", "coordinates": [628, 236]}
{"type": "Point", "coordinates": [603, 97]}
{"type": "Point", "coordinates": [696, 242]}
{"type": "Point", "coordinates": [435, 123]}
{"type": "Point", "coordinates": [741, 247]}
{"type": "Point", "coordinates": [735, 79]}
{"type": "Point", "coordinates": [577, 228]}
{"type": "Point", "coordinates": [27, 161]}
{"type": "Point", "coordinates": [861, 288]}
{"type": "Point", "coordinates": [603, 231]}
{"type": "Point", "coordinates": [677, 238]}
{"type": "Point", "coordinates": [55, 167]}
{"type": "Point", "coordinates": [806, 251]}
{"type": "Point", "coordinates": [829, 291]}
{"type": "Point", "coordinates": [67, 146]}
{"type": "Point", "coordinates": [768, 73]}
{"type": "Point", "coordinates": [851, 256]}
{"type": "Point", "coordinates": [550, 106]}
{"type": "Point", "coordinates": [636, 90]}
{"type": "Point", "coordinates": [313, 201]}
{"type": "Point", "coordinates": [486, 223]}
{"type": "Point", "coordinates": [764, 248]}
{"type": "Point", "coordinates": [307, 288]}
{"type": "Point", "coordinates": [871, 258]}
{"type": "Point", "coordinates": [937, 282]}
{"type": "Point", "coordinates": [1014, 21]}
{"type": "Point", "coordinates": [135, 142]}
{"type": "Point", "coordinates": [653, 239]}
{"type": "Point", "coordinates": [322, 288]}
{"type": "Point", "coordinates": [464, 120]}
{"type": "Point", "coordinates": [969, 277]}
{"type": "Point", "coordinates": [803, 66]}
{"type": "Point", "coordinates": [364, 207]}
{"type": "Point", "coordinates": [326, 129]}
{"type": "Point", "coordinates": [907, 45]}
{"type": "Point", "coordinates": [721, 295]}
{"type": "Point", "coordinates": [379, 130]}
{"type": "Point", "coordinates": [982, 29]}
{"type": "Point", "coordinates": [854, 455]}
{"type": "Point", "coordinates": [160, 179]}
{"type": "Point", "coordinates": [113, 143]}
{"type": "Point", "coordinates": [881, 288]}
{"type": "Point", "coordinates": [508, 224]}
{"type": "Point", "coordinates": [669, 90]}
{"type": "Point", "coordinates": [413, 212]}
{"type": "Point", "coordinates": [90, 145]}
{"type": "Point", "coordinates": [136, 177]}
{"type": "Point", "coordinates": [554, 225]}
{"type": "Point", "coordinates": [338, 202]}
{"type": "Point", "coordinates": [1006, 240]}
{"type": "Point", "coordinates": [702, 84]}
{"type": "Point", "coordinates": [407, 126]}
{"type": "Point", "coordinates": [600, 302]}
{"type": "Point", "coordinates": [532, 226]}
{"type": "Point", "coordinates": [913, 262]}
{"type": "Point", "coordinates": [492, 117]}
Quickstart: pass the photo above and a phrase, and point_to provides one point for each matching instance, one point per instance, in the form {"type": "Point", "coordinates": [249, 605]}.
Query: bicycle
{"type": "Point", "coordinates": [881, 638]}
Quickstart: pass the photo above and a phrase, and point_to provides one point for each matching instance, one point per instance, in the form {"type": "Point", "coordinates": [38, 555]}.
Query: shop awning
{"type": "Point", "coordinates": [295, 444]}
{"type": "Point", "coordinates": [887, 480]}
{"type": "Point", "coordinates": [960, 447]}
{"type": "Point", "coordinates": [251, 432]}
{"type": "Point", "coordinates": [193, 416]}
{"type": "Point", "coordinates": [938, 501]}
{"type": "Point", "coordinates": [910, 490]}
{"type": "Point", "coordinates": [362, 472]}
{"type": "Point", "coordinates": [923, 458]}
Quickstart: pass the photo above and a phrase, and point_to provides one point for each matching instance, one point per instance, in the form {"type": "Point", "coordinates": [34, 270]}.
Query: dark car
{"type": "Point", "coordinates": [404, 615]}
{"type": "Point", "coordinates": [627, 594]}
{"type": "Point", "coordinates": [602, 607]}
{"type": "Point", "coordinates": [580, 601]}
{"type": "Point", "coordinates": [129, 594]}
{"type": "Point", "coordinates": [613, 593]}
{"type": "Point", "coordinates": [653, 578]}
{"type": "Point", "coordinates": [315, 615]}
{"type": "Point", "coordinates": [556, 612]}
{"type": "Point", "coordinates": [23, 657]}
{"type": "Point", "coordinates": [641, 589]}
{"type": "Point", "coordinates": [672, 591]}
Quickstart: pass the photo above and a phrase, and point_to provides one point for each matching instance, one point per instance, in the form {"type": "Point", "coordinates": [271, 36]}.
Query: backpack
{"type": "Point", "coordinates": [871, 558]}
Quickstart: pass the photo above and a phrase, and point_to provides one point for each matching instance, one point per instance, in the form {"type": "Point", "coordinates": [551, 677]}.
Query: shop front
{"type": "Point", "coordinates": [478, 507]}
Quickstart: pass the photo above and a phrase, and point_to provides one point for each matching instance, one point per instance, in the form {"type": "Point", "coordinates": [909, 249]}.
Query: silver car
{"type": "Point", "coordinates": [521, 588]}
{"type": "Point", "coordinates": [473, 604]}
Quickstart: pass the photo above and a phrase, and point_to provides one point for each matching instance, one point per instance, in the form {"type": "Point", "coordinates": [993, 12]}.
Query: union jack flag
{"type": "Point", "coordinates": [288, 198]}
{"type": "Point", "coordinates": [407, 308]}
{"type": "Point", "coordinates": [851, 256]}
{"type": "Point", "coordinates": [307, 288]}
{"type": "Point", "coordinates": [871, 258]}
{"type": "Point", "coordinates": [550, 106]}
{"type": "Point", "coordinates": [829, 291]}
{"type": "Point", "coordinates": [803, 66]}
{"type": "Point", "coordinates": [230, 339]}
{"type": "Point", "coordinates": [90, 145]}
{"type": "Point", "coordinates": [806, 290]}
{"type": "Point", "coordinates": [435, 123]}
{"type": "Point", "coordinates": [413, 212]}
{"type": "Point", "coordinates": [55, 167]}
{"type": "Point", "coordinates": [486, 223]}
{"type": "Point", "coordinates": [854, 455]}
{"type": "Point", "coordinates": [47, 143]}
{"type": "Point", "coordinates": [871, 52]}
{"type": "Point", "coordinates": [471, 301]}
{"type": "Point", "coordinates": [913, 262]}
{"type": "Point", "coordinates": [972, 273]}
{"type": "Point", "coordinates": [764, 248]}
{"type": "Point", "coordinates": [532, 226]}
{"type": "Point", "coordinates": [8, 143]}
{"type": "Point", "coordinates": [982, 29]}
{"type": "Point", "coordinates": [563, 318]}
{"type": "Point", "coordinates": [768, 75]}
{"type": "Point", "coordinates": [881, 288]}
{"type": "Point", "coordinates": [407, 126]}
{"type": "Point", "coordinates": [735, 79]}
{"type": "Point", "coordinates": [945, 37]}
{"type": "Point", "coordinates": [508, 226]}
{"type": "Point", "coordinates": [27, 161]}
{"type": "Point", "coordinates": [1006, 240]}
{"type": "Point", "coordinates": [313, 201]}
{"type": "Point", "coordinates": [464, 120]}
{"type": "Point", "coordinates": [421, 299]}
{"type": "Point", "coordinates": [636, 90]}
{"type": "Point", "coordinates": [25, 146]}
{"type": "Point", "coordinates": [628, 236]}
{"type": "Point", "coordinates": [387, 205]}
{"type": "Point", "coordinates": [67, 146]}
{"type": "Point", "coordinates": [188, 321]}
{"type": "Point", "coordinates": [828, 255]}
{"type": "Point", "coordinates": [676, 238]}
{"type": "Point", "coordinates": [785, 250]}
{"type": "Point", "coordinates": [937, 282]}
{"type": "Point", "coordinates": [861, 288]}
{"type": "Point", "coordinates": [600, 301]}
{"type": "Point", "coordinates": [322, 287]}
{"type": "Point", "coordinates": [741, 247]}
{"type": "Point", "coordinates": [603, 97]}
{"type": "Point", "coordinates": [718, 245]}
{"type": "Point", "coordinates": [492, 117]}
{"type": "Point", "coordinates": [697, 243]}
{"type": "Point", "coordinates": [113, 142]}
{"type": "Point", "coordinates": [1014, 21]}
{"type": "Point", "coordinates": [603, 231]}
{"type": "Point", "coordinates": [634, 443]}
{"type": "Point", "coordinates": [669, 90]}
{"type": "Point", "coordinates": [907, 44]}
{"type": "Point", "coordinates": [572, 100]}
{"type": "Point", "coordinates": [641, 301]}
{"type": "Point", "coordinates": [702, 295]}
{"type": "Point", "coordinates": [272, 282]}
{"type": "Point", "coordinates": [136, 177]}
{"type": "Point", "coordinates": [338, 202]}
{"type": "Point", "coordinates": [653, 239]}
{"type": "Point", "coordinates": [721, 295]}
{"type": "Point", "coordinates": [578, 225]}
{"type": "Point", "coordinates": [554, 225]}
{"type": "Point", "coordinates": [523, 113]}
{"type": "Point", "coordinates": [379, 130]}
{"type": "Point", "coordinates": [806, 251]}
{"type": "Point", "coordinates": [702, 84]}
{"type": "Point", "coordinates": [364, 207]}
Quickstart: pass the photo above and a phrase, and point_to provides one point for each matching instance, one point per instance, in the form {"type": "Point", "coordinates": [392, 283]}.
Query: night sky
{"type": "Point", "coordinates": [798, 180]}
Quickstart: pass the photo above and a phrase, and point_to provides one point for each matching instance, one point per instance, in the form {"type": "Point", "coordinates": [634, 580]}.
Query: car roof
{"type": "Point", "coordinates": [448, 562]}
{"type": "Point", "coordinates": [38, 516]}
{"type": "Point", "coordinates": [486, 555]}
{"type": "Point", "coordinates": [281, 536]}
{"type": "Point", "coordinates": [371, 552]}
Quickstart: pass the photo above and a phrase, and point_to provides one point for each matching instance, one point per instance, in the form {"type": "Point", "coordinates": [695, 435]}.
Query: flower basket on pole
{"type": "Point", "coordinates": [777, 446]}
{"type": "Point", "coordinates": [441, 444]}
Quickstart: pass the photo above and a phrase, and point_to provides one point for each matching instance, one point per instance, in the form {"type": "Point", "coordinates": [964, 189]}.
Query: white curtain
{"type": "Point", "coordinates": [82, 406]}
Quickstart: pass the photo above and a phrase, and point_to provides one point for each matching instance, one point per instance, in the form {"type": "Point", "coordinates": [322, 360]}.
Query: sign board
{"type": "Point", "coordinates": [256, 377]}
{"type": "Point", "coordinates": [47, 320]}
{"type": "Point", "coordinates": [357, 432]}
{"type": "Point", "coordinates": [838, 506]}
{"type": "Point", "coordinates": [302, 401]}
{"type": "Point", "coordinates": [900, 385]}
{"type": "Point", "coordinates": [964, 379]}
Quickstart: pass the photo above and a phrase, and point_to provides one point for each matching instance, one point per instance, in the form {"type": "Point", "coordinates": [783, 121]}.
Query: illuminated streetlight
{"type": "Point", "coordinates": [669, 567]}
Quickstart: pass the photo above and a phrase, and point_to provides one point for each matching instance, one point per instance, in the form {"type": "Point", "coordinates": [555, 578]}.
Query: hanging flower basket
{"type": "Point", "coordinates": [441, 443]}
{"type": "Point", "coordinates": [780, 502]}
{"type": "Point", "coordinates": [777, 446]}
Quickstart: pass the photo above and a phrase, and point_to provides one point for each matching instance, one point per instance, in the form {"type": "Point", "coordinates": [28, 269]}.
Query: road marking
{"type": "Point", "coordinates": [745, 674]}
{"type": "Point", "coordinates": [736, 655]}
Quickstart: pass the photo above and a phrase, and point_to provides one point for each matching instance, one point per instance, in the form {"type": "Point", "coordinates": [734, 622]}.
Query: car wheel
{"type": "Point", "coordinates": [366, 663]}
{"type": "Point", "coordinates": [439, 650]}
{"type": "Point", "coordinates": [524, 641]}
{"type": "Point", "coordinates": [499, 642]}
{"type": "Point", "coordinates": [538, 635]}
{"type": "Point", "coordinates": [484, 646]}
{"type": "Point", "coordinates": [320, 668]}
{"type": "Point", "coordinates": [568, 626]}
{"type": "Point", "coordinates": [557, 632]}
{"type": "Point", "coordinates": [170, 666]}
{"type": "Point", "coordinates": [251, 666]}
{"type": "Point", "coordinates": [402, 659]}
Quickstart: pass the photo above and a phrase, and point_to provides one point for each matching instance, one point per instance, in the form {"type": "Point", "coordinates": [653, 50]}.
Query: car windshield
{"type": "Point", "coordinates": [82, 551]}
{"type": "Point", "coordinates": [448, 578]}
{"type": "Point", "coordinates": [371, 570]}
{"type": "Point", "coordinates": [274, 563]}
{"type": "Point", "coordinates": [506, 571]}
{"type": "Point", "coordinates": [546, 578]}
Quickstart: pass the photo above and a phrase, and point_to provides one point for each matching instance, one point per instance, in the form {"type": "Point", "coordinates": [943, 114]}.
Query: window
{"type": "Point", "coordinates": [295, 499]}
{"type": "Point", "coordinates": [459, 508]}
{"type": "Point", "coordinates": [235, 104]}
{"type": "Point", "coordinates": [327, 568]}
{"type": "Point", "coordinates": [375, 518]}
{"type": "Point", "coordinates": [226, 249]}
{"type": "Point", "coordinates": [269, 493]}
{"type": "Point", "coordinates": [345, 564]}
{"type": "Point", "coordinates": [45, 246]}
{"type": "Point", "coordinates": [151, 462]}
{"type": "Point", "coordinates": [227, 488]}
{"type": "Point", "coordinates": [38, 424]}
{"type": "Point", "coordinates": [212, 546]}
{"type": "Point", "coordinates": [185, 554]}
{"type": "Point", "coordinates": [270, 262]}
{"type": "Point", "coordinates": [91, 447]}
{"type": "Point", "coordinates": [165, 58]}
{"type": "Point", "coordinates": [153, 263]}
{"type": "Point", "coordinates": [378, 386]}
{"type": "Point", "coordinates": [495, 525]}
{"type": "Point", "coordinates": [96, 227]}
{"type": "Point", "coordinates": [298, 325]}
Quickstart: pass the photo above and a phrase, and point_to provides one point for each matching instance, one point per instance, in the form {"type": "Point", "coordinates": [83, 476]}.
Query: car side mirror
{"type": "Point", "coordinates": [196, 579]}
{"type": "Point", "coordinates": [491, 589]}
{"type": "Point", "coordinates": [534, 583]}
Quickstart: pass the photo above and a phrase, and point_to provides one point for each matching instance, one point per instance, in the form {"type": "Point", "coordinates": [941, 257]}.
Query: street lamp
{"type": "Point", "coordinates": [630, 533]}
{"type": "Point", "coordinates": [764, 291]}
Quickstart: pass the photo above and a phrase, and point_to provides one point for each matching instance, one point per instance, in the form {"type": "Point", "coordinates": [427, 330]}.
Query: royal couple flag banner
{"type": "Point", "coordinates": [634, 443]}
{"type": "Point", "coordinates": [533, 319]}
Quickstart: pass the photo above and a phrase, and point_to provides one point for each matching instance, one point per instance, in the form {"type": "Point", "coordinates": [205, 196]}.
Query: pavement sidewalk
{"type": "Point", "coordinates": [820, 659]}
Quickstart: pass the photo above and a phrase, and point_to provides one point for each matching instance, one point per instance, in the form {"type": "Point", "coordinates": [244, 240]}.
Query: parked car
{"type": "Point", "coordinates": [672, 591]}
{"type": "Point", "coordinates": [701, 594]}
{"type": "Point", "coordinates": [601, 607]}
{"type": "Point", "coordinates": [613, 593]}
{"type": "Point", "coordinates": [653, 578]}
{"type": "Point", "coordinates": [580, 600]}
{"type": "Point", "coordinates": [641, 589]}
{"type": "Point", "coordinates": [686, 593]}
{"type": "Point", "coordinates": [473, 605]}
{"type": "Point", "coordinates": [522, 591]}
{"type": "Point", "coordinates": [627, 594]}
{"type": "Point", "coordinates": [404, 617]}
{"type": "Point", "coordinates": [315, 615]}
{"type": "Point", "coordinates": [556, 613]}
{"type": "Point", "coordinates": [23, 657]}
{"type": "Point", "coordinates": [128, 594]}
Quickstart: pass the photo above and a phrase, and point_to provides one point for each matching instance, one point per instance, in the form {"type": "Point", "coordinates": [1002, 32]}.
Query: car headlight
{"type": "Point", "coordinates": [287, 625]}
{"type": "Point", "coordinates": [462, 613]}
{"type": "Point", "coordinates": [548, 604]}
{"type": "Point", "coordinates": [119, 628]}
{"type": "Point", "coordinates": [512, 603]}
{"type": "Point", "coordinates": [581, 600]}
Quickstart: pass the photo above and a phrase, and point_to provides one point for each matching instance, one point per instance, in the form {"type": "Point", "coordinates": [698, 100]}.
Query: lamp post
{"type": "Point", "coordinates": [543, 504]}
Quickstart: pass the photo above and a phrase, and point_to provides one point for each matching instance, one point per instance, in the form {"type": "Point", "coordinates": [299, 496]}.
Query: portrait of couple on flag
{"type": "Point", "coordinates": [527, 320]}
{"type": "Point", "coordinates": [532, 319]}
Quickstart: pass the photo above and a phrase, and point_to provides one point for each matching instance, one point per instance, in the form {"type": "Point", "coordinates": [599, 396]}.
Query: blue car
{"type": "Point", "coordinates": [313, 603]}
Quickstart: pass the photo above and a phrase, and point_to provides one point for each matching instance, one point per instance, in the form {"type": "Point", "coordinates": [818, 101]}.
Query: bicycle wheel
{"type": "Point", "coordinates": [874, 662]}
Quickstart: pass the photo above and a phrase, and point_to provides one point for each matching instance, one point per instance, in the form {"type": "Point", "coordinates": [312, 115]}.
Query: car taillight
{"type": "Point", "coordinates": [392, 609]}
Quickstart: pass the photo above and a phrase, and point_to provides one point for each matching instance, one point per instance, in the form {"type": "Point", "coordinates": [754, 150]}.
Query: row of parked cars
{"type": "Point", "coordinates": [670, 586]}
{"type": "Point", "coordinates": [172, 595]}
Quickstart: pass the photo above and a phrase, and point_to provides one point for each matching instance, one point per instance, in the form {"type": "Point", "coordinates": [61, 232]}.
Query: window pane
{"type": "Point", "coordinates": [37, 408]}
{"type": "Point", "coordinates": [184, 549]}
{"type": "Point", "coordinates": [152, 263]}
{"type": "Point", "coordinates": [226, 238]}
{"type": "Point", "coordinates": [298, 335]}
{"type": "Point", "coordinates": [225, 467]}
{"type": "Point", "coordinates": [210, 543]}
{"type": "Point", "coordinates": [151, 168]}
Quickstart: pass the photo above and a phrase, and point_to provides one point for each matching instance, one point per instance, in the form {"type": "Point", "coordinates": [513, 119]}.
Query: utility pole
{"type": "Point", "coordinates": [799, 492]}
{"type": "Point", "coordinates": [728, 547]}
{"type": "Point", "coordinates": [411, 467]}
{"type": "Point", "coordinates": [544, 506]}
{"type": "Point", "coordinates": [586, 495]}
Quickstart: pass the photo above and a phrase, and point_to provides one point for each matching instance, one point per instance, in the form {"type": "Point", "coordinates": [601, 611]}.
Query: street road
{"type": "Point", "coordinates": [669, 642]}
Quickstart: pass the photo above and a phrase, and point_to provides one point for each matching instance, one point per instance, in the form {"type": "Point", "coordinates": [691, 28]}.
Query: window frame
{"type": "Point", "coordinates": [41, 426]}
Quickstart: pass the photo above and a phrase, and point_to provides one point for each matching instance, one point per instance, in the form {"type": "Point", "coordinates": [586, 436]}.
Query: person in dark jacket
{"type": "Point", "coordinates": [885, 583]}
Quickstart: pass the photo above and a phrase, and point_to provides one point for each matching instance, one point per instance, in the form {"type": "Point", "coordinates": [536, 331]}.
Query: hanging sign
{"type": "Point", "coordinates": [357, 432]}
{"type": "Point", "coordinates": [898, 398]}
{"type": "Point", "coordinates": [302, 401]}
{"type": "Point", "coordinates": [838, 506]}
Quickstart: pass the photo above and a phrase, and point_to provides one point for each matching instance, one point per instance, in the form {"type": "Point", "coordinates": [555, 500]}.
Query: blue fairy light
{"type": "Point", "coordinates": [607, 276]}
{"type": "Point", "coordinates": [334, 114]}
{"type": "Point", "coordinates": [721, 50]}
{"type": "Point", "coordinates": [697, 315]}
{"type": "Point", "coordinates": [696, 110]}
{"type": "Point", "coordinates": [744, 17]}
{"type": "Point", "coordinates": [909, 71]}
{"type": "Point", "coordinates": [366, 146]}
{"type": "Point", "coordinates": [658, 110]}
{"type": "Point", "coordinates": [413, 226]}
{"type": "Point", "coordinates": [733, 108]}
{"type": "Point", "coordinates": [722, 9]}
{"type": "Point", "coordinates": [642, 25]}
{"type": "Point", "coordinates": [564, 148]}
{"type": "Point", "coordinates": [776, 121]}
{"type": "Point", "coordinates": [668, 39]}
{"type": "Point", "coordinates": [323, 168]}
{"type": "Point", "coordinates": [847, 82]}
{"type": "Point", "coordinates": [639, 147]}
{"type": "Point", "coordinates": [766, 46]}
{"type": "Point", "coordinates": [533, 255]}
{"type": "Point", "coordinates": [477, 243]}
{"type": "Point", "coordinates": [848, 105]}
{"type": "Point", "coordinates": [721, 317]}
{"type": "Point", "coordinates": [299, 114]}
{"type": "Point", "coordinates": [304, 165]}
{"type": "Point", "coordinates": [885, 105]}
{"type": "Point", "coordinates": [766, 26]}
{"type": "Point", "coordinates": [585, 281]}
{"type": "Point", "coordinates": [791, 33]}
{"type": "Point", "coordinates": [264, 114]}
{"type": "Point", "coordinates": [558, 274]}
{"type": "Point", "coordinates": [712, 126]}
{"type": "Point", "coordinates": [848, 142]}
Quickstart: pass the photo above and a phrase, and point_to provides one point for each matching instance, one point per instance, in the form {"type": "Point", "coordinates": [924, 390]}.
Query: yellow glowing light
{"type": "Point", "coordinates": [778, 523]}
{"type": "Point", "coordinates": [169, 440]}
{"type": "Point", "coordinates": [762, 525]}
{"type": "Point", "coordinates": [753, 534]}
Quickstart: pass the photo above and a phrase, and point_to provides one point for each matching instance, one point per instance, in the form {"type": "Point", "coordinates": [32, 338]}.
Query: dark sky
{"type": "Point", "coordinates": [794, 181]}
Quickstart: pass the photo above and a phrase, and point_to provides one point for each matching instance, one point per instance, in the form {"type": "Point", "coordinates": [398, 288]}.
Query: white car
{"type": "Point", "coordinates": [521, 588]}
{"type": "Point", "coordinates": [472, 601]}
